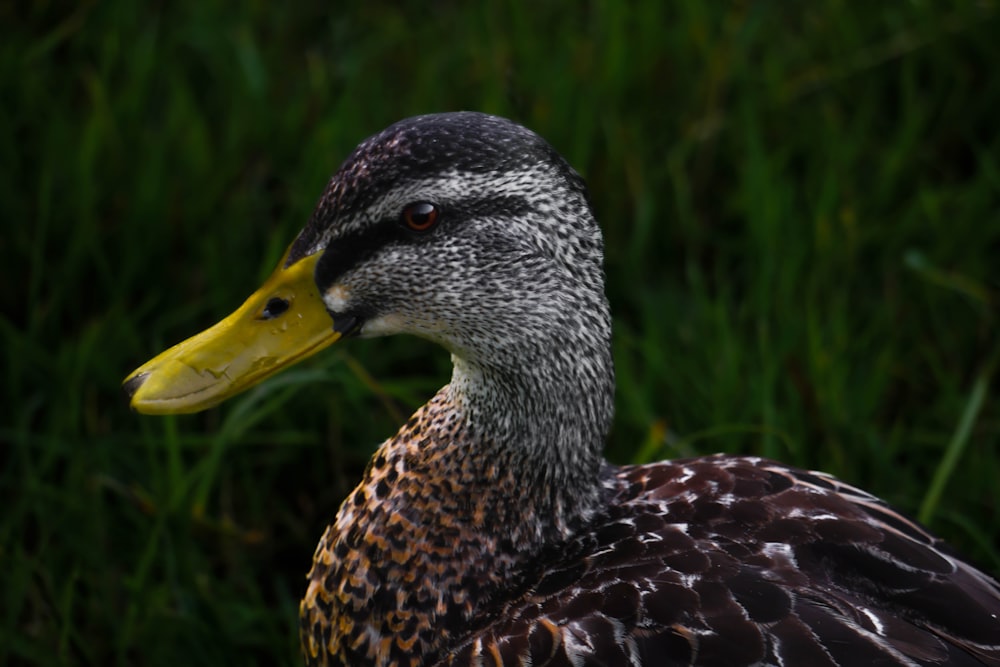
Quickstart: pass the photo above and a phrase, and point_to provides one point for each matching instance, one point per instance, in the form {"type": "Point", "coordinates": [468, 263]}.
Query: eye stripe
{"type": "Point", "coordinates": [350, 250]}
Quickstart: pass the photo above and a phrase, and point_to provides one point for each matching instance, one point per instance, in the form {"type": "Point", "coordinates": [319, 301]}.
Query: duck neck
{"type": "Point", "coordinates": [502, 462]}
{"type": "Point", "coordinates": [545, 426]}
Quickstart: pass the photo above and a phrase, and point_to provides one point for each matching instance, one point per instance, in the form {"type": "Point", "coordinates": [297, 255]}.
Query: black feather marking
{"type": "Point", "coordinates": [669, 603]}
{"type": "Point", "coordinates": [795, 644]}
{"type": "Point", "coordinates": [843, 642]}
{"type": "Point", "coordinates": [542, 643]}
{"type": "Point", "coordinates": [621, 601]}
{"type": "Point", "coordinates": [763, 601]}
{"type": "Point", "coordinates": [559, 580]}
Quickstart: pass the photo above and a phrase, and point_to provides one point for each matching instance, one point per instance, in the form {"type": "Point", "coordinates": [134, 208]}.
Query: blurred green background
{"type": "Point", "coordinates": [802, 210]}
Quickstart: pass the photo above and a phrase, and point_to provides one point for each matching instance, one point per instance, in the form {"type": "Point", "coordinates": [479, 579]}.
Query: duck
{"type": "Point", "coordinates": [490, 529]}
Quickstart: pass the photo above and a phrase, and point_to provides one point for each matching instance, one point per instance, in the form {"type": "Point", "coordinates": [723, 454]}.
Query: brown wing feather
{"type": "Point", "coordinates": [739, 561]}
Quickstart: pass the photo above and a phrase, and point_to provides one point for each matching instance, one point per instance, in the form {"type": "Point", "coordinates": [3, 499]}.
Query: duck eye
{"type": "Point", "coordinates": [275, 306]}
{"type": "Point", "coordinates": [420, 216]}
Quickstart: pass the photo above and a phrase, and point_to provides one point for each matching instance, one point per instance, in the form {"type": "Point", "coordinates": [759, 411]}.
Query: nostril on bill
{"type": "Point", "coordinates": [275, 306]}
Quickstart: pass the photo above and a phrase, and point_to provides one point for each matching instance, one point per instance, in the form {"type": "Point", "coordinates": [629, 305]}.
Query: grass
{"type": "Point", "coordinates": [802, 212]}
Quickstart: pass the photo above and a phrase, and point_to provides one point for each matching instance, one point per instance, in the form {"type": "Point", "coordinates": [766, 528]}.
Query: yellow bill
{"type": "Point", "coordinates": [282, 322]}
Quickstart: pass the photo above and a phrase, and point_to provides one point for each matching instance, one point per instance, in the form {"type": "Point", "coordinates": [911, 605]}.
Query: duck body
{"type": "Point", "coordinates": [732, 561]}
{"type": "Point", "coordinates": [489, 530]}
{"type": "Point", "coordinates": [718, 560]}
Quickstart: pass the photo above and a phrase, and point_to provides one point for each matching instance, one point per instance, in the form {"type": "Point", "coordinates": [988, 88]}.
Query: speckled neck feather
{"type": "Point", "coordinates": [451, 511]}
{"type": "Point", "coordinates": [489, 530]}
{"type": "Point", "coordinates": [430, 536]}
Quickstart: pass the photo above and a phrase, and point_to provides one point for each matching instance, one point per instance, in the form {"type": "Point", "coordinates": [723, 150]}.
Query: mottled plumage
{"type": "Point", "coordinates": [729, 560]}
{"type": "Point", "coordinates": [490, 531]}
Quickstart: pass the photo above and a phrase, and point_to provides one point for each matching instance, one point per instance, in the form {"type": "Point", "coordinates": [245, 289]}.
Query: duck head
{"type": "Point", "coordinates": [462, 228]}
